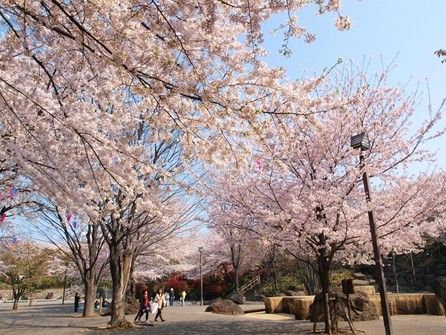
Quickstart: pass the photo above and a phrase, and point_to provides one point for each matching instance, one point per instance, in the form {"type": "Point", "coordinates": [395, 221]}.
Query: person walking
{"type": "Point", "coordinates": [183, 298]}
{"type": "Point", "coordinates": [161, 300]}
{"type": "Point", "coordinates": [166, 298]}
{"type": "Point", "coordinates": [144, 307]}
{"type": "Point", "coordinates": [77, 299]}
{"type": "Point", "coordinates": [171, 297]}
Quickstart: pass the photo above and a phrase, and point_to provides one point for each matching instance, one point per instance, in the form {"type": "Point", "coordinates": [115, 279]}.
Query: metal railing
{"type": "Point", "coordinates": [245, 288]}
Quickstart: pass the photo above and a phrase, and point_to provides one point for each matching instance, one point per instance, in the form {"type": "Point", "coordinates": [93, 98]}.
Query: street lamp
{"type": "Point", "coordinates": [362, 142]}
{"type": "Point", "coordinates": [200, 250]}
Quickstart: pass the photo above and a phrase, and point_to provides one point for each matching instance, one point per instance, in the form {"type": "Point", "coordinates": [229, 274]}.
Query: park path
{"type": "Point", "coordinates": [55, 319]}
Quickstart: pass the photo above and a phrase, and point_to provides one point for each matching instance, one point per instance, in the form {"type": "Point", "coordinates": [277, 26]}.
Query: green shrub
{"type": "Point", "coordinates": [284, 283]}
{"type": "Point", "coordinates": [339, 274]}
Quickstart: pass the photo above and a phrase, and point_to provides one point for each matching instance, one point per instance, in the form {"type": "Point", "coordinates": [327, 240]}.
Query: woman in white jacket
{"type": "Point", "coordinates": [160, 299]}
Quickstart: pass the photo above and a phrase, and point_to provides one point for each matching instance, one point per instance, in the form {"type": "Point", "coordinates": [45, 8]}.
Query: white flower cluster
{"type": "Point", "coordinates": [343, 23]}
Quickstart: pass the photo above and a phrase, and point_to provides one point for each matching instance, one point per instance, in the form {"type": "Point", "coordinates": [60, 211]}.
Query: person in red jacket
{"type": "Point", "coordinates": [144, 307]}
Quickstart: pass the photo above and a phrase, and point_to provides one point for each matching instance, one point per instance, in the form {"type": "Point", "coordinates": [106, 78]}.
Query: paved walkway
{"type": "Point", "coordinates": [52, 319]}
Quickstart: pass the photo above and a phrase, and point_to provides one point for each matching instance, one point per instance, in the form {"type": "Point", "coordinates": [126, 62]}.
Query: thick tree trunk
{"type": "Point", "coordinates": [90, 295]}
{"type": "Point", "coordinates": [120, 264]}
{"type": "Point", "coordinates": [325, 285]}
{"type": "Point", "coordinates": [117, 304]}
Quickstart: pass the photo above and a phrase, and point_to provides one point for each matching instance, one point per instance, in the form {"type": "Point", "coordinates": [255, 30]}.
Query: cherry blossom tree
{"type": "Point", "coordinates": [304, 188]}
{"type": "Point", "coordinates": [22, 265]}
{"type": "Point", "coordinates": [175, 253]}
{"type": "Point", "coordinates": [72, 67]}
{"type": "Point", "coordinates": [78, 239]}
{"type": "Point", "coordinates": [80, 79]}
{"type": "Point", "coordinates": [240, 246]}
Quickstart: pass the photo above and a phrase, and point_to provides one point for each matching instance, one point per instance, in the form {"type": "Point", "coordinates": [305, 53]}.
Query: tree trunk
{"type": "Point", "coordinates": [325, 285]}
{"type": "Point", "coordinates": [90, 295]}
{"type": "Point", "coordinates": [132, 288]}
{"type": "Point", "coordinates": [16, 294]}
{"type": "Point", "coordinates": [15, 305]}
{"type": "Point", "coordinates": [132, 281]}
{"type": "Point", "coordinates": [120, 264]}
{"type": "Point", "coordinates": [117, 305]}
{"type": "Point", "coordinates": [324, 267]}
{"type": "Point", "coordinates": [309, 277]}
{"type": "Point", "coordinates": [236, 280]}
{"type": "Point", "coordinates": [274, 269]}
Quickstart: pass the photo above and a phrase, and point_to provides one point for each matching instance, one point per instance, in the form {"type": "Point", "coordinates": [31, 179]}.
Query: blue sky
{"type": "Point", "coordinates": [406, 29]}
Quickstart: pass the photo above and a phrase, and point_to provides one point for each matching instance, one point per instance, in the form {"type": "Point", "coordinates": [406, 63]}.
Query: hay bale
{"type": "Point", "coordinates": [287, 305]}
{"type": "Point", "coordinates": [291, 293]}
{"type": "Point", "coordinates": [410, 303]}
{"type": "Point", "coordinates": [274, 304]}
{"type": "Point", "coordinates": [432, 305]}
{"type": "Point", "coordinates": [298, 306]}
{"type": "Point", "coordinates": [439, 286]}
{"type": "Point", "coordinates": [376, 301]}
{"type": "Point", "coordinates": [302, 307]}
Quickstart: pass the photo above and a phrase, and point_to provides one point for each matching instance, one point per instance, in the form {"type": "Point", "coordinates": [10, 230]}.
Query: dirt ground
{"type": "Point", "coordinates": [54, 318]}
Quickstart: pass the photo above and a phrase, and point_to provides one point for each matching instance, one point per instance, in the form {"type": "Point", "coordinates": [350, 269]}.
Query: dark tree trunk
{"type": "Point", "coordinates": [325, 285]}
{"type": "Point", "coordinates": [324, 267]}
{"type": "Point", "coordinates": [237, 287]}
{"type": "Point", "coordinates": [16, 294]}
{"type": "Point", "coordinates": [120, 264]}
{"type": "Point", "coordinates": [15, 305]}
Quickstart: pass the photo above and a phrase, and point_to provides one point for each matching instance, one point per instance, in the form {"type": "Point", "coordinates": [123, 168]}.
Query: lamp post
{"type": "Point", "coordinates": [200, 250]}
{"type": "Point", "coordinates": [361, 141]}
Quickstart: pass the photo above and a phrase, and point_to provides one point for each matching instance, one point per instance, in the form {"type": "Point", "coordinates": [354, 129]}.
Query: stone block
{"type": "Point", "coordinates": [358, 275]}
{"type": "Point", "coordinates": [360, 282]}
{"type": "Point", "coordinates": [227, 307]}
{"type": "Point", "coordinates": [367, 289]}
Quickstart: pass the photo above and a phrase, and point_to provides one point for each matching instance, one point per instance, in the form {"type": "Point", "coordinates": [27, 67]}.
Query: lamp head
{"type": "Point", "coordinates": [360, 141]}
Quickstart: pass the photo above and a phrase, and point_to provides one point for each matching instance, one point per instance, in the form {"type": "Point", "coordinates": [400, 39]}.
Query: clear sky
{"type": "Point", "coordinates": [409, 30]}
